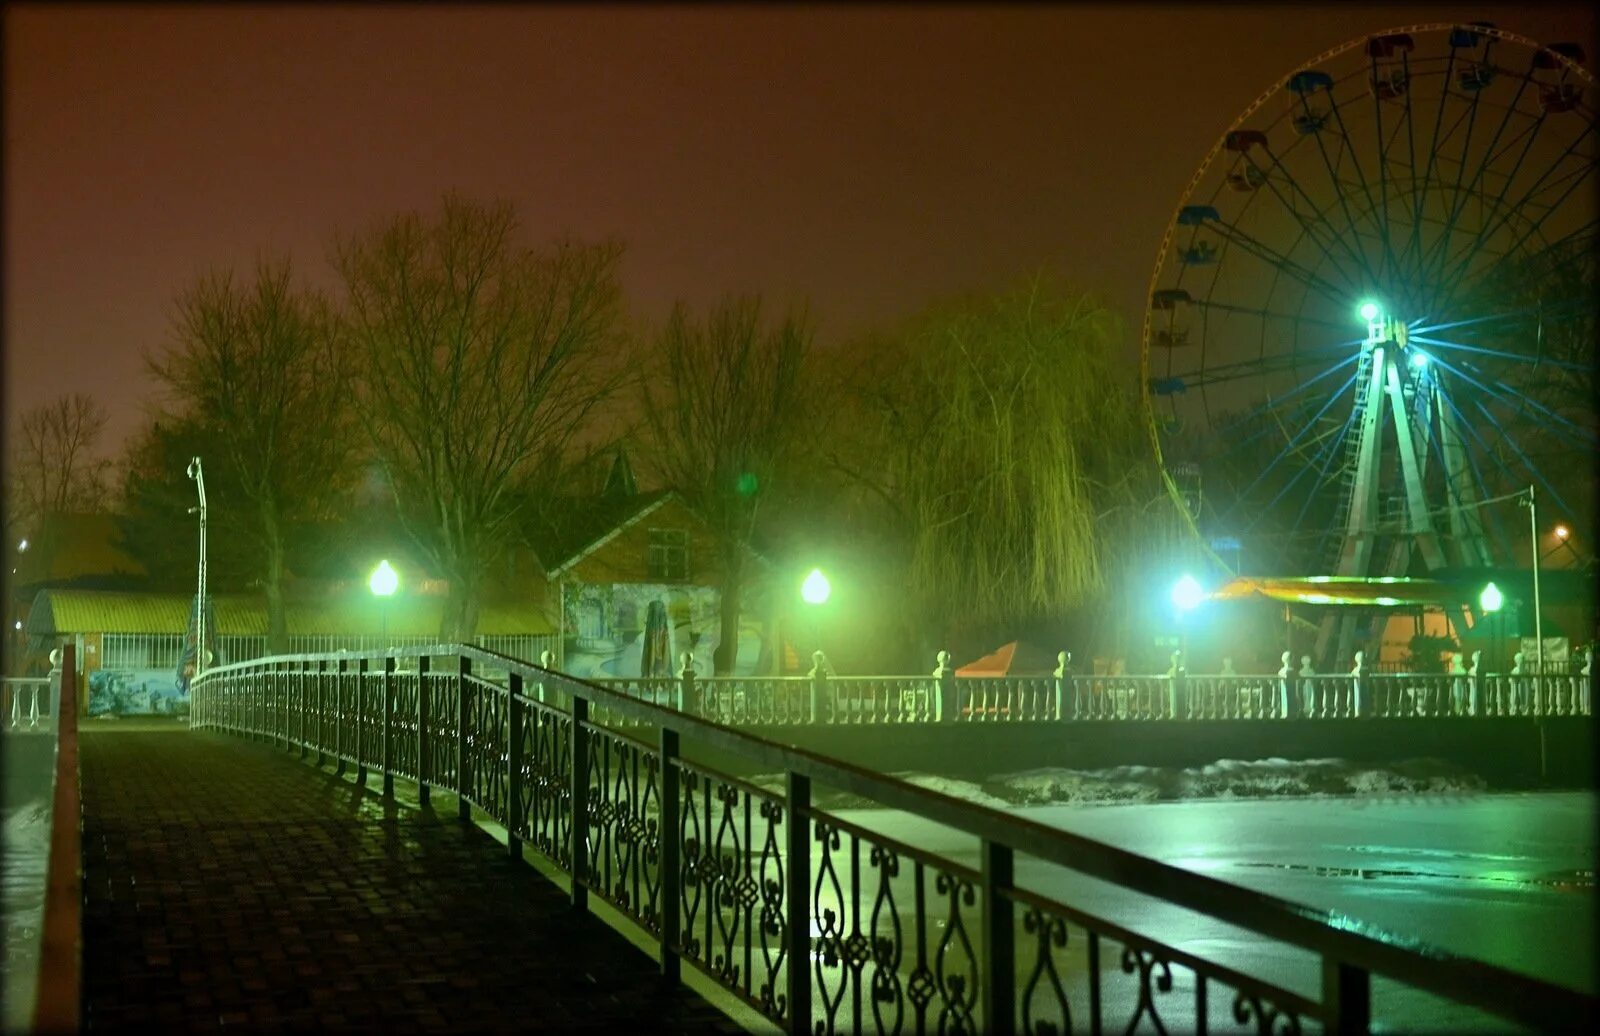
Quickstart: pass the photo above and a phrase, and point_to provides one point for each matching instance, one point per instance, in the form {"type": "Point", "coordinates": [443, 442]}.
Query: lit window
{"type": "Point", "coordinates": [669, 554]}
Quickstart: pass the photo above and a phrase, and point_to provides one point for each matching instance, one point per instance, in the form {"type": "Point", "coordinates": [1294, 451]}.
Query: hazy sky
{"type": "Point", "coordinates": [866, 160]}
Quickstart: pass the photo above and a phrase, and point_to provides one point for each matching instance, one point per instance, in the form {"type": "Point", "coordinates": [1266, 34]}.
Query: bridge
{"type": "Point", "coordinates": [434, 837]}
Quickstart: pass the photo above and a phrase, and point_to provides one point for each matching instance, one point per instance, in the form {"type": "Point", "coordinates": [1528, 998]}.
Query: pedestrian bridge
{"type": "Point", "coordinates": [290, 843]}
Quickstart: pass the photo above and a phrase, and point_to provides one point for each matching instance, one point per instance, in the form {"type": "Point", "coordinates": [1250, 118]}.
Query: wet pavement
{"type": "Point", "coordinates": [229, 884]}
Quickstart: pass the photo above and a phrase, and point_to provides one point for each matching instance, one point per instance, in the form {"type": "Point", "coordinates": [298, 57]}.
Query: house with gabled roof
{"type": "Point", "coordinates": [632, 579]}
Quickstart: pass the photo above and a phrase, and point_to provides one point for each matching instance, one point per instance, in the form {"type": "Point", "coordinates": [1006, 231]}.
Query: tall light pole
{"type": "Point", "coordinates": [1538, 618]}
{"type": "Point", "coordinates": [384, 582]}
{"type": "Point", "coordinates": [199, 478]}
{"type": "Point", "coordinates": [815, 591]}
{"type": "Point", "coordinates": [1490, 601]}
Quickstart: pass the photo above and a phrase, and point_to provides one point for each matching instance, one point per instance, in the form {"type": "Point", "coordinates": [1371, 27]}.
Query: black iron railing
{"type": "Point", "coordinates": [744, 880]}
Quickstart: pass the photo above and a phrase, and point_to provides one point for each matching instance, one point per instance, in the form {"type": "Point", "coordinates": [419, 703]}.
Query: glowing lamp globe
{"type": "Point", "coordinates": [815, 589]}
{"type": "Point", "coordinates": [1491, 599]}
{"type": "Point", "coordinates": [385, 580]}
{"type": "Point", "coordinates": [1369, 311]}
{"type": "Point", "coordinates": [1186, 593]}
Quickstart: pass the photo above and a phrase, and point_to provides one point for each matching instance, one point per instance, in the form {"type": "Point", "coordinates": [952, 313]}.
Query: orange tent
{"type": "Point", "coordinates": [1013, 659]}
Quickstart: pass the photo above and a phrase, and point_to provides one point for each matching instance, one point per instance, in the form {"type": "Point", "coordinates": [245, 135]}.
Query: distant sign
{"type": "Point", "coordinates": [1225, 543]}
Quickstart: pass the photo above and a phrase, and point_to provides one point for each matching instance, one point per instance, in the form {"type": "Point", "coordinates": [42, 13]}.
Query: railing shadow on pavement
{"type": "Point", "coordinates": [743, 881]}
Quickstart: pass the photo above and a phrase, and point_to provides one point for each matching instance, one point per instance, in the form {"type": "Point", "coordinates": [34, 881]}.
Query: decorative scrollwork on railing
{"type": "Point", "coordinates": [1269, 1019]}
{"type": "Point", "coordinates": [486, 747]}
{"type": "Point", "coordinates": [886, 950]}
{"type": "Point", "coordinates": [773, 921]}
{"type": "Point", "coordinates": [1050, 936]}
{"type": "Point", "coordinates": [547, 783]}
{"type": "Point", "coordinates": [1146, 962]}
{"type": "Point", "coordinates": [403, 726]}
{"type": "Point", "coordinates": [958, 987]}
{"type": "Point", "coordinates": [624, 795]}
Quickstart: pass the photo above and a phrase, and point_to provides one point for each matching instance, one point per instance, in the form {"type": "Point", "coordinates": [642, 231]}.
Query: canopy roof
{"type": "Point", "coordinates": [1018, 658]}
{"type": "Point", "coordinates": [1383, 592]}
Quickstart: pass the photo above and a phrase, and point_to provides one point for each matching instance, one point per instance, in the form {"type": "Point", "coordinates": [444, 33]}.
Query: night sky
{"type": "Point", "coordinates": [864, 160]}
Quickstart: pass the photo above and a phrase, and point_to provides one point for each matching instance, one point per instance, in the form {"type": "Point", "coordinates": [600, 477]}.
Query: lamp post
{"type": "Point", "coordinates": [1186, 597]}
{"type": "Point", "coordinates": [1538, 618]}
{"type": "Point", "coordinates": [383, 583]}
{"type": "Point", "coordinates": [197, 475]}
{"type": "Point", "coordinates": [1491, 601]}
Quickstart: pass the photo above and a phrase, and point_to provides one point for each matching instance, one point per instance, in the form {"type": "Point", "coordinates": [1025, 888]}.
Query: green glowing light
{"type": "Point", "coordinates": [1369, 311]}
{"type": "Point", "coordinates": [1491, 598]}
{"type": "Point", "coordinates": [385, 580]}
{"type": "Point", "coordinates": [815, 589]}
{"type": "Point", "coordinates": [1186, 593]}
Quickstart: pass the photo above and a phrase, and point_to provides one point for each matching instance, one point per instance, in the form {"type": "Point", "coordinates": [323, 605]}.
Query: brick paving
{"type": "Point", "coordinates": [229, 885]}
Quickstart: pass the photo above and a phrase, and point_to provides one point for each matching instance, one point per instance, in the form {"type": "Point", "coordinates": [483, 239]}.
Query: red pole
{"type": "Point", "coordinates": [56, 1007]}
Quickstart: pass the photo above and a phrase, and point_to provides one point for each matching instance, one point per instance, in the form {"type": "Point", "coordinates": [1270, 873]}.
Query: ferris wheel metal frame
{"type": "Point", "coordinates": [1404, 427]}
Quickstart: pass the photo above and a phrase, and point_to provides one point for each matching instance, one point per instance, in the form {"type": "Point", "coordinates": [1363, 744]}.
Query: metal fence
{"type": "Point", "coordinates": [819, 923]}
{"type": "Point", "coordinates": [134, 651]}
{"type": "Point", "coordinates": [946, 698]}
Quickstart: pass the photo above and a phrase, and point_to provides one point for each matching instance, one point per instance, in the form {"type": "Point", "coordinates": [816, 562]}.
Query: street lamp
{"type": "Point", "coordinates": [815, 589]}
{"type": "Point", "coordinates": [197, 475]}
{"type": "Point", "coordinates": [1491, 600]}
{"type": "Point", "coordinates": [383, 583]}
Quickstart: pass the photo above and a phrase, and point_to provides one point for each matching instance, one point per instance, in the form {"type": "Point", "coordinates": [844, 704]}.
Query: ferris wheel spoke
{"type": "Point", "coordinates": [1511, 397]}
{"type": "Point", "coordinates": [1498, 354]}
{"type": "Point", "coordinates": [1548, 309]}
{"type": "Point", "coordinates": [1511, 480]}
{"type": "Point", "coordinates": [1489, 153]}
{"type": "Point", "coordinates": [1420, 198]}
{"type": "Point", "coordinates": [1527, 464]}
{"type": "Point", "coordinates": [1329, 452]}
{"type": "Point", "coordinates": [1255, 370]}
{"type": "Point", "coordinates": [1333, 175]}
{"type": "Point", "coordinates": [1348, 146]}
{"type": "Point", "coordinates": [1391, 265]}
{"type": "Point", "coordinates": [1267, 314]}
{"type": "Point", "coordinates": [1316, 217]}
{"type": "Point", "coordinates": [1579, 177]}
{"type": "Point", "coordinates": [1289, 448]}
{"type": "Point", "coordinates": [1281, 262]}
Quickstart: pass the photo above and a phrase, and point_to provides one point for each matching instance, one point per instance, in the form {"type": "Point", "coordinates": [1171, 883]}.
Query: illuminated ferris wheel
{"type": "Point", "coordinates": [1375, 308]}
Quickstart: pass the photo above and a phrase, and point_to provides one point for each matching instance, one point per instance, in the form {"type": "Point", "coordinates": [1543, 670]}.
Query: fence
{"type": "Point", "coordinates": [819, 923]}
{"type": "Point", "coordinates": [945, 697]}
{"type": "Point", "coordinates": [137, 651]}
{"type": "Point", "coordinates": [26, 701]}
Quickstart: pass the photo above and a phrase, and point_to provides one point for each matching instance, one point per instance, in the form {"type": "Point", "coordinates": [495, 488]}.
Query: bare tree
{"type": "Point", "coordinates": [254, 366]}
{"type": "Point", "coordinates": [53, 466]}
{"type": "Point", "coordinates": [481, 361]}
{"type": "Point", "coordinates": [724, 408]}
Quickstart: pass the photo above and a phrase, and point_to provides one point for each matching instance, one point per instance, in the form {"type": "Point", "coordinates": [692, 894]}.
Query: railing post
{"type": "Point", "coordinates": [819, 688]}
{"type": "Point", "coordinates": [798, 900]}
{"type": "Point", "coordinates": [322, 700]}
{"type": "Point", "coordinates": [999, 949]}
{"type": "Point", "coordinates": [463, 748]}
{"type": "Point", "coordinates": [388, 727]}
{"type": "Point", "coordinates": [424, 745]}
{"type": "Point", "coordinates": [338, 719]}
{"type": "Point", "coordinates": [686, 682]}
{"type": "Point", "coordinates": [579, 801]}
{"type": "Point", "coordinates": [1346, 999]}
{"type": "Point", "coordinates": [547, 662]}
{"type": "Point", "coordinates": [1178, 690]}
{"type": "Point", "coordinates": [514, 765]}
{"type": "Point", "coordinates": [948, 709]}
{"type": "Point", "coordinates": [362, 669]}
{"type": "Point", "coordinates": [1063, 667]}
{"type": "Point", "coordinates": [669, 855]}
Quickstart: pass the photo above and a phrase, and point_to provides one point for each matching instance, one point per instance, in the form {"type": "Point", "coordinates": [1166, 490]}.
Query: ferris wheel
{"type": "Point", "coordinates": [1374, 308]}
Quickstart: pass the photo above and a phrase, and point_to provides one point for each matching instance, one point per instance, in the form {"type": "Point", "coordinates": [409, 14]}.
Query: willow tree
{"type": "Point", "coordinates": [480, 362]}
{"type": "Point", "coordinates": [1003, 442]}
{"type": "Point", "coordinates": [722, 403]}
{"type": "Point", "coordinates": [253, 367]}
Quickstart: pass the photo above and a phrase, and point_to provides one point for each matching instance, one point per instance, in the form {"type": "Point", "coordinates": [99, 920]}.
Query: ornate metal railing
{"type": "Point", "coordinates": [744, 880]}
{"type": "Point", "coordinates": [945, 697]}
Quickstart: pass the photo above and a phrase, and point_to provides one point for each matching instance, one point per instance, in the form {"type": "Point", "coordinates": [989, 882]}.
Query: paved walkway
{"type": "Point", "coordinates": [229, 884]}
